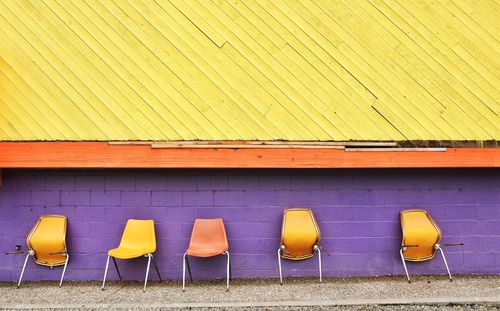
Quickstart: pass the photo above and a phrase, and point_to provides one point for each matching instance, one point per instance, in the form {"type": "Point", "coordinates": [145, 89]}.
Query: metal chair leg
{"type": "Point", "coordinates": [319, 259]}
{"type": "Point", "coordinates": [279, 265]}
{"type": "Point", "coordinates": [105, 273]}
{"type": "Point", "coordinates": [184, 272]}
{"type": "Point", "coordinates": [22, 271]}
{"type": "Point", "coordinates": [116, 267]}
{"type": "Point", "coordinates": [404, 265]}
{"type": "Point", "coordinates": [64, 270]}
{"type": "Point", "coordinates": [156, 267]}
{"type": "Point", "coordinates": [228, 270]}
{"type": "Point", "coordinates": [147, 271]}
{"type": "Point", "coordinates": [189, 268]}
{"type": "Point", "coordinates": [445, 263]}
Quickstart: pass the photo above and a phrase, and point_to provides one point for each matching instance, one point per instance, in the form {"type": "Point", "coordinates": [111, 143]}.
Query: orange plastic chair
{"type": "Point", "coordinates": [47, 244]}
{"type": "Point", "coordinates": [208, 239]}
{"type": "Point", "coordinates": [138, 240]}
{"type": "Point", "coordinates": [300, 237]}
{"type": "Point", "coordinates": [421, 237]}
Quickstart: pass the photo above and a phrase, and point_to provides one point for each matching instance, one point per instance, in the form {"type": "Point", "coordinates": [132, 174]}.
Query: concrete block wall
{"type": "Point", "coordinates": [357, 210]}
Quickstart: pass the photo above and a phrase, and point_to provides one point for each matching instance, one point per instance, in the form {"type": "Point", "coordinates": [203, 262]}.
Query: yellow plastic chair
{"type": "Point", "coordinates": [300, 237]}
{"type": "Point", "coordinates": [421, 237]}
{"type": "Point", "coordinates": [138, 240]}
{"type": "Point", "coordinates": [47, 244]}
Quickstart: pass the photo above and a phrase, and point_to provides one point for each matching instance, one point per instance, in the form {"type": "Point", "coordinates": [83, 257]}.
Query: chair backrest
{"type": "Point", "coordinates": [420, 229]}
{"type": "Point", "coordinates": [299, 234]}
{"type": "Point", "coordinates": [208, 238]}
{"type": "Point", "coordinates": [48, 236]}
{"type": "Point", "coordinates": [139, 234]}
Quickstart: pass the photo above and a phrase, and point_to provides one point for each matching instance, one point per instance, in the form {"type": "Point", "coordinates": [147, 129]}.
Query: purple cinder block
{"type": "Point", "coordinates": [166, 198]}
{"type": "Point", "coordinates": [15, 198]}
{"type": "Point", "coordinates": [39, 198]}
{"type": "Point", "coordinates": [29, 181]}
{"type": "Point", "coordinates": [75, 198]}
{"type": "Point", "coordinates": [336, 182]}
{"type": "Point", "coordinates": [212, 182]}
{"type": "Point", "coordinates": [120, 182]}
{"type": "Point", "coordinates": [486, 212]}
{"type": "Point", "coordinates": [105, 198]}
{"type": "Point", "coordinates": [273, 182]}
{"type": "Point", "coordinates": [357, 212]}
{"type": "Point", "coordinates": [152, 182]}
{"type": "Point", "coordinates": [305, 182]}
{"type": "Point", "coordinates": [170, 230]}
{"type": "Point", "coordinates": [60, 182]}
{"type": "Point", "coordinates": [185, 183]}
{"type": "Point", "coordinates": [78, 229]}
{"type": "Point", "coordinates": [89, 182]}
{"type": "Point", "coordinates": [136, 198]}
{"type": "Point", "coordinates": [485, 259]}
{"type": "Point", "coordinates": [106, 229]}
{"type": "Point", "coordinates": [478, 196]}
{"type": "Point", "coordinates": [243, 182]}
{"type": "Point", "coordinates": [119, 214]}
{"type": "Point", "coordinates": [231, 198]}
{"type": "Point", "coordinates": [86, 214]}
{"type": "Point", "coordinates": [485, 228]}
{"type": "Point", "coordinates": [197, 198]}
{"type": "Point", "coordinates": [170, 214]}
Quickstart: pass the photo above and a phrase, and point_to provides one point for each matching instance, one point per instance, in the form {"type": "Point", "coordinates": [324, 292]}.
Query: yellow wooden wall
{"type": "Point", "coordinates": [249, 70]}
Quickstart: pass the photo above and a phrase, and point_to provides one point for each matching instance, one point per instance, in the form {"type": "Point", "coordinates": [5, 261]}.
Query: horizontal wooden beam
{"type": "Point", "coordinates": [104, 155]}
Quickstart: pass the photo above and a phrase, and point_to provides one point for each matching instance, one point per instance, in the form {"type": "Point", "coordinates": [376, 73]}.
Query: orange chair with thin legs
{"type": "Point", "coordinates": [300, 237]}
{"type": "Point", "coordinates": [47, 244]}
{"type": "Point", "coordinates": [138, 240]}
{"type": "Point", "coordinates": [208, 239]}
{"type": "Point", "coordinates": [421, 237]}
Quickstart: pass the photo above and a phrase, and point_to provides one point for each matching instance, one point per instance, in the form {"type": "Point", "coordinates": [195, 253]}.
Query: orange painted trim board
{"type": "Point", "coordinates": [105, 155]}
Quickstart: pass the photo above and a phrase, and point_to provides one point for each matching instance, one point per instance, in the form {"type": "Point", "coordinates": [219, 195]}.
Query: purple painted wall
{"type": "Point", "coordinates": [357, 212]}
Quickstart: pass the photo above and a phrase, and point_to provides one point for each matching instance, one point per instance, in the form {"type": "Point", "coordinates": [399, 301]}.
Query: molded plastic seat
{"type": "Point", "coordinates": [138, 240]}
{"type": "Point", "coordinates": [300, 236]}
{"type": "Point", "coordinates": [208, 239]}
{"type": "Point", "coordinates": [47, 243]}
{"type": "Point", "coordinates": [421, 237]}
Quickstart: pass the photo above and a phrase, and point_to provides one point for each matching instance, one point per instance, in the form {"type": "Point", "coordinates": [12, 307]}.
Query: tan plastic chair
{"type": "Point", "coordinates": [300, 237]}
{"type": "Point", "coordinates": [421, 237]}
{"type": "Point", "coordinates": [138, 240]}
{"type": "Point", "coordinates": [47, 244]}
{"type": "Point", "coordinates": [208, 239]}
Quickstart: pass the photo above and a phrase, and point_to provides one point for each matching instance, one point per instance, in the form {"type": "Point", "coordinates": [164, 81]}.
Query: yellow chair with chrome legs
{"type": "Point", "coordinates": [138, 240]}
{"type": "Point", "coordinates": [300, 237]}
{"type": "Point", "coordinates": [47, 244]}
{"type": "Point", "coordinates": [421, 238]}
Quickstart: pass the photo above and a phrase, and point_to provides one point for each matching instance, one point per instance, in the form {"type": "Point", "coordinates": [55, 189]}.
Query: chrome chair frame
{"type": "Point", "coordinates": [32, 253]}
{"type": "Point", "coordinates": [150, 258]}
{"type": "Point", "coordinates": [316, 248]}
{"type": "Point", "coordinates": [185, 262]}
{"type": "Point", "coordinates": [436, 247]}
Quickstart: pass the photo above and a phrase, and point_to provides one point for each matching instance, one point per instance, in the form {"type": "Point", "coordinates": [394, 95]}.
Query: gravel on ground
{"type": "Point", "coordinates": [255, 291]}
